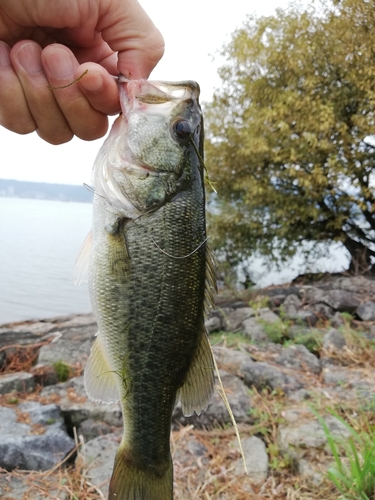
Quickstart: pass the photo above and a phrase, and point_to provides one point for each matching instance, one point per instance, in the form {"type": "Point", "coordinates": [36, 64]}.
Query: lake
{"type": "Point", "coordinates": [39, 243]}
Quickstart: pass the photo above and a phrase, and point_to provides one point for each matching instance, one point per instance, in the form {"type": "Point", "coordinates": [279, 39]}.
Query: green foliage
{"type": "Point", "coordinates": [13, 400]}
{"type": "Point", "coordinates": [354, 471]}
{"type": "Point", "coordinates": [277, 331]}
{"type": "Point", "coordinates": [229, 339]}
{"type": "Point", "coordinates": [289, 131]}
{"type": "Point", "coordinates": [63, 371]}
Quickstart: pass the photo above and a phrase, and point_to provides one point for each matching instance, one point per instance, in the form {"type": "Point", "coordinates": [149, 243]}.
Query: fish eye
{"type": "Point", "coordinates": [182, 128]}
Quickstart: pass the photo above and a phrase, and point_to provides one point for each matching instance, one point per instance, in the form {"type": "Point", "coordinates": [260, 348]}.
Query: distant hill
{"type": "Point", "coordinates": [44, 191]}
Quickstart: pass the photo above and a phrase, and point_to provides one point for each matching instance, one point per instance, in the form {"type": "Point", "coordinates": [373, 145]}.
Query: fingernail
{"type": "Point", "coordinates": [59, 64]}
{"type": "Point", "coordinates": [29, 58]}
{"type": "Point", "coordinates": [4, 56]}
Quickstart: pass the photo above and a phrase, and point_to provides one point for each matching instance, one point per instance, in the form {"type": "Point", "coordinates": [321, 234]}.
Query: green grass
{"type": "Point", "coordinates": [353, 472]}
{"type": "Point", "coordinates": [229, 339]}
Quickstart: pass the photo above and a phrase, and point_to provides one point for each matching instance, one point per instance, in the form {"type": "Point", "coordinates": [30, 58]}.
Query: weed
{"type": "Point", "coordinates": [63, 371]}
{"type": "Point", "coordinates": [276, 331]}
{"type": "Point", "coordinates": [353, 473]}
{"type": "Point", "coordinates": [13, 400]}
{"type": "Point", "coordinates": [229, 339]}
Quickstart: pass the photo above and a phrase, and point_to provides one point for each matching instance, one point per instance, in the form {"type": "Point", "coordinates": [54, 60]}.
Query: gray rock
{"type": "Point", "coordinates": [305, 316]}
{"type": "Point", "coordinates": [291, 305]}
{"type": "Point", "coordinates": [340, 300]}
{"type": "Point", "coordinates": [213, 324]}
{"type": "Point", "coordinates": [312, 294]}
{"type": "Point", "coordinates": [76, 407]}
{"type": "Point", "coordinates": [333, 339]}
{"type": "Point", "coordinates": [337, 320]}
{"type": "Point", "coordinates": [19, 382]}
{"type": "Point", "coordinates": [237, 317]}
{"type": "Point", "coordinates": [98, 456]}
{"type": "Point", "coordinates": [217, 413]}
{"type": "Point", "coordinates": [256, 459]}
{"type": "Point", "coordinates": [268, 316]}
{"type": "Point", "coordinates": [231, 360]}
{"type": "Point", "coordinates": [90, 429]}
{"type": "Point", "coordinates": [366, 311]}
{"type": "Point", "coordinates": [73, 346]}
{"type": "Point", "coordinates": [262, 375]}
{"type": "Point", "coordinates": [299, 357]}
{"type": "Point", "coordinates": [307, 470]}
{"type": "Point", "coordinates": [32, 437]}
{"type": "Point", "coordinates": [255, 330]}
{"type": "Point", "coordinates": [322, 310]}
{"type": "Point", "coordinates": [295, 439]}
{"type": "Point", "coordinates": [358, 285]}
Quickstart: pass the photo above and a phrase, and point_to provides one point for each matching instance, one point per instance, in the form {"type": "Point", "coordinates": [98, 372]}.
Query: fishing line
{"type": "Point", "coordinates": [173, 256]}
{"type": "Point", "coordinates": [207, 179]}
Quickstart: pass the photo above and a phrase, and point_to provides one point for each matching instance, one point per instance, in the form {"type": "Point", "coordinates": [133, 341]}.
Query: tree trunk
{"type": "Point", "coordinates": [360, 261]}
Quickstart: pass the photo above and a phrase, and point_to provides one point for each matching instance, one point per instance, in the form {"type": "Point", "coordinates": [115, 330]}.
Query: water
{"type": "Point", "coordinates": [39, 243]}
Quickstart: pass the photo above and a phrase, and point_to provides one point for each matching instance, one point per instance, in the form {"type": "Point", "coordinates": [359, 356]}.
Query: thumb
{"type": "Point", "coordinates": [128, 30]}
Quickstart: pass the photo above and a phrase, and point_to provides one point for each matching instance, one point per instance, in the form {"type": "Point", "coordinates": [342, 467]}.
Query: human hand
{"type": "Point", "coordinates": [105, 37]}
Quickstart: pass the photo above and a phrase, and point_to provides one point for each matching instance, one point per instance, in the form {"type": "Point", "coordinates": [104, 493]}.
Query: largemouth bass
{"type": "Point", "coordinates": [150, 275]}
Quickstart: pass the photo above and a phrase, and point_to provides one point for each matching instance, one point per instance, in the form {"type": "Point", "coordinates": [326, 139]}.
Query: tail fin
{"type": "Point", "coordinates": [129, 482]}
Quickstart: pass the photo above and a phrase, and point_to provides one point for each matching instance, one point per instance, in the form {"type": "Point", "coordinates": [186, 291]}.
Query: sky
{"type": "Point", "coordinates": [194, 32]}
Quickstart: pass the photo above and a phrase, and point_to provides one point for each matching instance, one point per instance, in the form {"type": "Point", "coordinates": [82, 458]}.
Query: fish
{"type": "Point", "coordinates": [151, 279]}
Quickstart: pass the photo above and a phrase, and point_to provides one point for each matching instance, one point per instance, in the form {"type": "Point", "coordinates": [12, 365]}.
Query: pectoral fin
{"type": "Point", "coordinates": [100, 381]}
{"type": "Point", "coordinates": [81, 267]}
{"type": "Point", "coordinates": [197, 390]}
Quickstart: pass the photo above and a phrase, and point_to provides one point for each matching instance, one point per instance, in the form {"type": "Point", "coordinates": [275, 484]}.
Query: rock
{"type": "Point", "coordinates": [90, 429]}
{"type": "Point", "coordinates": [213, 324]}
{"type": "Point", "coordinates": [44, 375]}
{"type": "Point", "coordinates": [358, 285]}
{"type": "Point", "coordinates": [97, 457]}
{"type": "Point", "coordinates": [76, 407]}
{"type": "Point", "coordinates": [340, 300]}
{"type": "Point", "coordinates": [366, 311]}
{"type": "Point", "coordinates": [72, 347]}
{"type": "Point", "coordinates": [322, 310]}
{"type": "Point", "coordinates": [256, 459]}
{"type": "Point", "coordinates": [217, 413]}
{"type": "Point", "coordinates": [307, 470]}
{"type": "Point", "coordinates": [312, 294]}
{"type": "Point", "coordinates": [267, 315]}
{"type": "Point", "coordinates": [299, 357]}
{"type": "Point", "coordinates": [337, 320]}
{"type": "Point", "coordinates": [333, 339]}
{"type": "Point", "coordinates": [262, 375]}
{"type": "Point", "coordinates": [291, 305]}
{"type": "Point", "coordinates": [295, 439]}
{"type": "Point", "coordinates": [305, 316]}
{"type": "Point", "coordinates": [255, 330]}
{"type": "Point", "coordinates": [18, 382]}
{"type": "Point", "coordinates": [32, 437]}
{"type": "Point", "coordinates": [234, 319]}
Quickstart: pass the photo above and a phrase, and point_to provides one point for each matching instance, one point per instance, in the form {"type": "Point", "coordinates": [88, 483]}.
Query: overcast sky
{"type": "Point", "coordinates": [194, 31]}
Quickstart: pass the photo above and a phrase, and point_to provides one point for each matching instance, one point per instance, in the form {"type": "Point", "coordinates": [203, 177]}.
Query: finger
{"type": "Point", "coordinates": [14, 111]}
{"type": "Point", "coordinates": [50, 122]}
{"type": "Point", "coordinates": [133, 35]}
{"type": "Point", "coordinates": [99, 88]}
{"type": "Point", "coordinates": [60, 65]}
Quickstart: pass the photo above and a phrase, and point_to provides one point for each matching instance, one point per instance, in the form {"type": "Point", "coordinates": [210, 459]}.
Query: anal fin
{"type": "Point", "coordinates": [196, 392]}
{"type": "Point", "coordinates": [100, 380]}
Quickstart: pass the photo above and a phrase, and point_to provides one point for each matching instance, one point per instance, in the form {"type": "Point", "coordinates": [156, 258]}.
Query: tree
{"type": "Point", "coordinates": [290, 143]}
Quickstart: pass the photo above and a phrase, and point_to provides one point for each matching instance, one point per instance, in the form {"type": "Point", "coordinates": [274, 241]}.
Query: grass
{"type": "Point", "coordinates": [353, 472]}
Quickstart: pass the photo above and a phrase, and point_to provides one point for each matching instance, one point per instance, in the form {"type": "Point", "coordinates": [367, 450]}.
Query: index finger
{"type": "Point", "coordinates": [134, 36]}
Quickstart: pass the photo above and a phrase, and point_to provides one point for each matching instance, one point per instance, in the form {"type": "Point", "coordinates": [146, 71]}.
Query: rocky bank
{"type": "Point", "coordinates": [281, 353]}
